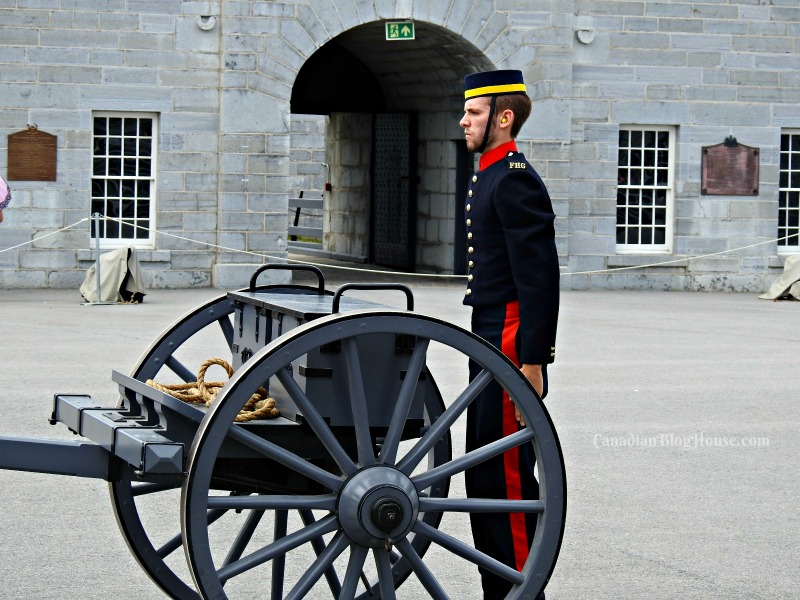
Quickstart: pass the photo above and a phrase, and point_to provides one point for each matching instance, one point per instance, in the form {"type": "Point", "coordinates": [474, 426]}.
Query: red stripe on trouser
{"type": "Point", "coordinates": [519, 531]}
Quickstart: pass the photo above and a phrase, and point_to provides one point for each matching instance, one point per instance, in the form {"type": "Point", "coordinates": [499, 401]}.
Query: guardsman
{"type": "Point", "coordinates": [513, 289]}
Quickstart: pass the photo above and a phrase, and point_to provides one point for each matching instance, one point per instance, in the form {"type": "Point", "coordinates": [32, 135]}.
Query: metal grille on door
{"type": "Point", "coordinates": [393, 206]}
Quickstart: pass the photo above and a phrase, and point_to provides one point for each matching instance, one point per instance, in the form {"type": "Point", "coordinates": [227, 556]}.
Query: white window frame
{"type": "Point", "coordinates": [112, 159]}
{"type": "Point", "coordinates": [633, 185]}
{"type": "Point", "coordinates": [789, 194]}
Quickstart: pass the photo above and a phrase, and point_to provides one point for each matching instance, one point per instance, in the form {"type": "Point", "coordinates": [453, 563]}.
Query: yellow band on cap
{"type": "Point", "coordinates": [494, 89]}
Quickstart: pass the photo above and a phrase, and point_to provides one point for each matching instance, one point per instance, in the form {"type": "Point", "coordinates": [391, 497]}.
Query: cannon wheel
{"type": "Point", "coordinates": [212, 321]}
{"type": "Point", "coordinates": [213, 317]}
{"type": "Point", "coordinates": [359, 493]}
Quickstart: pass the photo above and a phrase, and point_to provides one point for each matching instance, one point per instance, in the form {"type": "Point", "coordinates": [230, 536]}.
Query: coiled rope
{"type": "Point", "coordinates": [258, 406]}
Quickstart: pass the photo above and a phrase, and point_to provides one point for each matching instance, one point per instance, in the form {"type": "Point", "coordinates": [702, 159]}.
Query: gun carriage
{"type": "Point", "coordinates": [340, 496]}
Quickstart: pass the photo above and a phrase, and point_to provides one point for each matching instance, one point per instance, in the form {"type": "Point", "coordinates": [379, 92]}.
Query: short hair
{"type": "Point", "coordinates": [520, 105]}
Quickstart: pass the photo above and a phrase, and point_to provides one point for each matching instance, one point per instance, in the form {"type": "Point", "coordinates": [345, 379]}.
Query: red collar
{"type": "Point", "coordinates": [492, 156]}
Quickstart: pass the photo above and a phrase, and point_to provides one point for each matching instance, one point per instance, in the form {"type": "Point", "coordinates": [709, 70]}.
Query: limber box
{"type": "Point", "coordinates": [322, 374]}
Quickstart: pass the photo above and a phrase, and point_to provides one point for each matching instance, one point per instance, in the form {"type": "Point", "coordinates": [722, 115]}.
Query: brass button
{"type": "Point", "coordinates": [474, 178]}
{"type": "Point", "coordinates": [471, 264]}
{"type": "Point", "coordinates": [471, 250]}
{"type": "Point", "coordinates": [468, 292]}
{"type": "Point", "coordinates": [469, 235]}
{"type": "Point", "coordinates": [470, 278]}
{"type": "Point", "coordinates": [469, 207]}
{"type": "Point", "coordinates": [470, 193]}
{"type": "Point", "coordinates": [469, 222]}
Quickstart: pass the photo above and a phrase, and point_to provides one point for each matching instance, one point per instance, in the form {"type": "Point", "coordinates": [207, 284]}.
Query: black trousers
{"type": "Point", "coordinates": [505, 537]}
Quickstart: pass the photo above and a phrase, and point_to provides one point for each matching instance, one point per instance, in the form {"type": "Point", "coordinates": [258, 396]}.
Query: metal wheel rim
{"type": "Point", "coordinates": [216, 426]}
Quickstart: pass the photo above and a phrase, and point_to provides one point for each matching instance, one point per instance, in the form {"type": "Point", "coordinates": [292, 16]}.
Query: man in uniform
{"type": "Point", "coordinates": [513, 289]}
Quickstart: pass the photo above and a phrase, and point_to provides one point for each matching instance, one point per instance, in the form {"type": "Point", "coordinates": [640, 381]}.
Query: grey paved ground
{"type": "Point", "coordinates": [677, 414]}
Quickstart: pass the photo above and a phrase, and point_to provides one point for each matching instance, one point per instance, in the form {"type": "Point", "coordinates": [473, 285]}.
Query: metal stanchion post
{"type": "Point", "coordinates": [97, 252]}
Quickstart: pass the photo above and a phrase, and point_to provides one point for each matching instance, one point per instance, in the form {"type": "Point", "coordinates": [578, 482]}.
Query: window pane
{"type": "Point", "coordinates": [644, 168]}
{"type": "Point", "coordinates": [115, 146]}
{"type": "Point", "coordinates": [144, 168]}
{"type": "Point", "coordinates": [141, 232]}
{"type": "Point", "coordinates": [122, 169]}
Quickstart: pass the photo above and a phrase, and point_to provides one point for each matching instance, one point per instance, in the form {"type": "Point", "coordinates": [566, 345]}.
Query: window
{"type": "Point", "coordinates": [123, 177]}
{"type": "Point", "coordinates": [789, 195]}
{"type": "Point", "coordinates": [645, 189]}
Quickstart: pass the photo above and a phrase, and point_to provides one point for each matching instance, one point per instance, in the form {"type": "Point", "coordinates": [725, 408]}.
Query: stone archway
{"type": "Point", "coordinates": [359, 74]}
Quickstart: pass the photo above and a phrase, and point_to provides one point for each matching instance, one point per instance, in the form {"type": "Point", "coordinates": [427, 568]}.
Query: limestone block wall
{"type": "Point", "coordinates": [710, 70]}
{"type": "Point", "coordinates": [218, 76]}
{"type": "Point", "coordinates": [347, 209]}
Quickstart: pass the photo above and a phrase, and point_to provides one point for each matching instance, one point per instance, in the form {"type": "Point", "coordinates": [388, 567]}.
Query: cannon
{"type": "Point", "coordinates": [346, 493]}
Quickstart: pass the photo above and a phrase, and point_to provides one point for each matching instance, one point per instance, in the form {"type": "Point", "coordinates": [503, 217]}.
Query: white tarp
{"type": "Point", "coordinates": [787, 284]}
{"type": "Point", "coordinates": [120, 278]}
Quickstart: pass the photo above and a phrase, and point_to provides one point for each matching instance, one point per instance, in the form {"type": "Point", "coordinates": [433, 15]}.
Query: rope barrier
{"type": "Point", "coordinates": [46, 235]}
{"type": "Point", "coordinates": [396, 273]}
{"type": "Point", "coordinates": [258, 406]}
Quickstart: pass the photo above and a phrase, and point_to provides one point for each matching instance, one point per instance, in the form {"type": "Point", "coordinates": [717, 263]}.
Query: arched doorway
{"type": "Point", "coordinates": [392, 142]}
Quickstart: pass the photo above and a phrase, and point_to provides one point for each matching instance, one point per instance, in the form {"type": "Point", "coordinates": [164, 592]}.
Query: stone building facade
{"type": "Point", "coordinates": [190, 124]}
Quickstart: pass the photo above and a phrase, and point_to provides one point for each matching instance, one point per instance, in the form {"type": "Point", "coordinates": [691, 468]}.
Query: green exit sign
{"type": "Point", "coordinates": [399, 30]}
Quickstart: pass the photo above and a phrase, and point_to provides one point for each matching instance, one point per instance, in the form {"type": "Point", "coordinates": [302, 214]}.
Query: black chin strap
{"type": "Point", "coordinates": [488, 126]}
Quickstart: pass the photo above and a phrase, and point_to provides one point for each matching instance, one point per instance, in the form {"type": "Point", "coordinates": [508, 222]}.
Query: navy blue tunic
{"type": "Point", "coordinates": [512, 252]}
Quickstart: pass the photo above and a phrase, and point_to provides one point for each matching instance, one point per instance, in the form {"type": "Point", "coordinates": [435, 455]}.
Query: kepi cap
{"type": "Point", "coordinates": [493, 83]}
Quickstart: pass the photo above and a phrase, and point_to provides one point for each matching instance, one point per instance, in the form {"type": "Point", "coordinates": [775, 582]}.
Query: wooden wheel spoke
{"type": "Point", "coordinates": [358, 402]}
{"type": "Point", "coordinates": [388, 453]}
{"type": "Point", "coordinates": [470, 459]}
{"type": "Point", "coordinates": [385, 579]}
{"type": "Point", "coordinates": [176, 540]}
{"type": "Point", "coordinates": [316, 422]}
{"type": "Point", "coordinates": [358, 555]}
{"type": "Point", "coordinates": [278, 547]}
{"type": "Point", "coordinates": [469, 553]}
{"type": "Point", "coordinates": [480, 505]}
{"type": "Point", "coordinates": [243, 537]}
{"type": "Point", "coordinates": [443, 423]}
{"type": "Point", "coordinates": [428, 580]}
{"type": "Point", "coordinates": [284, 457]}
{"type": "Point", "coordinates": [324, 561]}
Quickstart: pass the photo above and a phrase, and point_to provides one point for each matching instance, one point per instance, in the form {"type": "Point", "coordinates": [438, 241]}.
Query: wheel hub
{"type": "Point", "coordinates": [376, 504]}
{"type": "Point", "coordinates": [387, 513]}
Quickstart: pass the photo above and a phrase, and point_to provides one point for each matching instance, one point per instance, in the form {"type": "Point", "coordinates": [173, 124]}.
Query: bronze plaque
{"type": "Point", "coordinates": [32, 155]}
{"type": "Point", "coordinates": [730, 169]}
